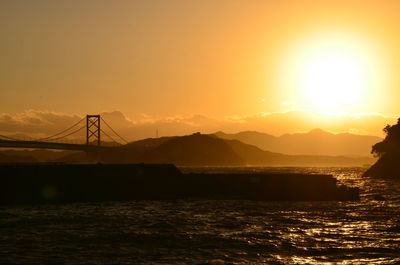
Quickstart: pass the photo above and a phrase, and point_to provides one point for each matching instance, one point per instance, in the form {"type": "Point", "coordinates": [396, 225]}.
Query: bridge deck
{"type": "Point", "coordinates": [49, 145]}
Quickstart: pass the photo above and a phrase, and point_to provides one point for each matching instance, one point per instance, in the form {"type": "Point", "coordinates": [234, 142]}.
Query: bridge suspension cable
{"type": "Point", "coordinates": [112, 139]}
{"type": "Point", "coordinates": [49, 138]}
{"type": "Point", "coordinates": [9, 138]}
{"type": "Point", "coordinates": [123, 139]}
{"type": "Point", "coordinates": [70, 131]}
{"type": "Point", "coordinates": [61, 137]}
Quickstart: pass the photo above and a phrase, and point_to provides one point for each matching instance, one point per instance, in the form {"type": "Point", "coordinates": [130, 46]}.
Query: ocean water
{"type": "Point", "coordinates": [211, 231]}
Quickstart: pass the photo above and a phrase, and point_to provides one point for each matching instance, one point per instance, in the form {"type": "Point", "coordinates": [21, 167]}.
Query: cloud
{"type": "Point", "coordinates": [36, 124]}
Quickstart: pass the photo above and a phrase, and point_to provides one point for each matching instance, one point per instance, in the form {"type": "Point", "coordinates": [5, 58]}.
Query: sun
{"type": "Point", "coordinates": [333, 80]}
{"type": "Point", "coordinates": [332, 73]}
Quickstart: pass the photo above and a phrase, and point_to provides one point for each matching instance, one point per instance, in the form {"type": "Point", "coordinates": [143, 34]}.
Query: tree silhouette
{"type": "Point", "coordinates": [391, 143]}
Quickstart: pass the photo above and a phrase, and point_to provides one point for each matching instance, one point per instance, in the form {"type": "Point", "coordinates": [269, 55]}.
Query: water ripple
{"type": "Point", "coordinates": [210, 231]}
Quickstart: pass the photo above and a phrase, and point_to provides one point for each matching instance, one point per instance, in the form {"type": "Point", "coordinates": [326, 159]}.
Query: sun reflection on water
{"type": "Point", "coordinates": [212, 231]}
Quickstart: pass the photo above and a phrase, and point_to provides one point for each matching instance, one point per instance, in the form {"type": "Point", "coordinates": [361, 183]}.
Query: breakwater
{"type": "Point", "coordinates": [58, 183]}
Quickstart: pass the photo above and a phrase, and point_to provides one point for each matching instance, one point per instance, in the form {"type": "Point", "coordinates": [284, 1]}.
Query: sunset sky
{"type": "Point", "coordinates": [155, 59]}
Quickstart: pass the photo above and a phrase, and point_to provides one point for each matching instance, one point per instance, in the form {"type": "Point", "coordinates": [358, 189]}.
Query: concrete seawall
{"type": "Point", "coordinates": [59, 183]}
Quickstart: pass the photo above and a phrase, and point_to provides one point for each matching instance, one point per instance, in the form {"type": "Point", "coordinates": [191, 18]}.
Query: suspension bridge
{"type": "Point", "coordinates": [94, 135]}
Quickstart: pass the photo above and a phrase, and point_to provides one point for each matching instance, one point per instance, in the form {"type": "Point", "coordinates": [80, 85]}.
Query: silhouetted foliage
{"type": "Point", "coordinates": [391, 143]}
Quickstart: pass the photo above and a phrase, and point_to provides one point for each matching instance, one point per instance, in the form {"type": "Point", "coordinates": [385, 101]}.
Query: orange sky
{"type": "Point", "coordinates": [166, 58]}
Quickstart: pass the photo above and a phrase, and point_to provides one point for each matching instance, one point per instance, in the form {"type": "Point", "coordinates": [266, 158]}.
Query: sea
{"type": "Point", "coordinates": [207, 231]}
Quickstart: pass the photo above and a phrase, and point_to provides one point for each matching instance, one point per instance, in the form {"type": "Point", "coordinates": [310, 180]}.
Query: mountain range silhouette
{"type": "Point", "coordinates": [314, 142]}
{"type": "Point", "coordinates": [200, 150]}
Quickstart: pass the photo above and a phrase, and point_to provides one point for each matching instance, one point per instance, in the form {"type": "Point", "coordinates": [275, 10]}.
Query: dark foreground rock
{"type": "Point", "coordinates": [388, 167]}
{"type": "Point", "coordinates": [59, 183]}
{"type": "Point", "coordinates": [388, 151]}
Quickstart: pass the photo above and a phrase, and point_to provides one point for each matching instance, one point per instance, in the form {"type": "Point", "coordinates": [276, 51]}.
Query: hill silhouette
{"type": "Point", "coordinates": [206, 150]}
{"type": "Point", "coordinates": [191, 150]}
{"type": "Point", "coordinates": [257, 157]}
{"type": "Point", "coordinates": [388, 151]}
{"type": "Point", "coordinates": [194, 150]}
{"type": "Point", "coordinates": [314, 142]}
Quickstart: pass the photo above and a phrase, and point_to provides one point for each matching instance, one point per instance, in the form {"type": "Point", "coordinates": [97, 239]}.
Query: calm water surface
{"type": "Point", "coordinates": [211, 231]}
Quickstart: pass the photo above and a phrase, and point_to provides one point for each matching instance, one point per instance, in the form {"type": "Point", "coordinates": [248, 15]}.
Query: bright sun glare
{"type": "Point", "coordinates": [331, 73]}
{"type": "Point", "coordinates": [333, 80]}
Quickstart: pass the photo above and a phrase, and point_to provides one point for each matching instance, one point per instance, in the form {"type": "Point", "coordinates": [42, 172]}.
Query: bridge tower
{"type": "Point", "coordinates": [93, 129]}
